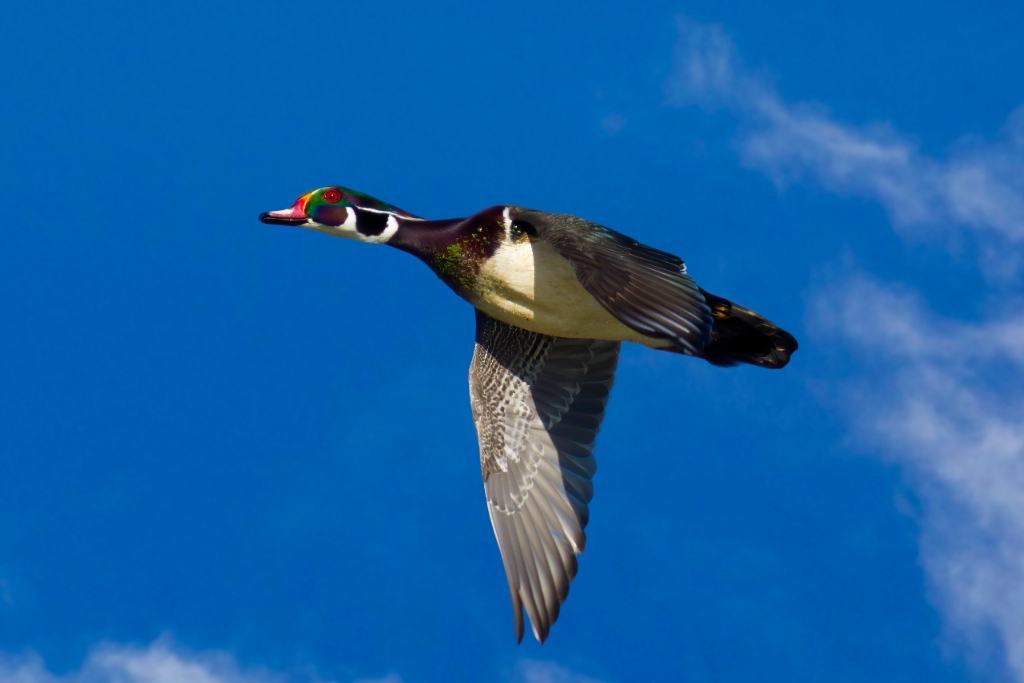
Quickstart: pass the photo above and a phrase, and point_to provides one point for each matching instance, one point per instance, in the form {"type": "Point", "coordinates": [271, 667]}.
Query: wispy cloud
{"type": "Point", "coordinates": [978, 186]}
{"type": "Point", "coordinates": [944, 399]}
{"type": "Point", "coordinates": [535, 671]}
{"type": "Point", "coordinates": [941, 397]}
{"type": "Point", "coordinates": [159, 662]}
{"type": "Point", "coordinates": [164, 662]}
{"type": "Point", "coordinates": [896, 321]}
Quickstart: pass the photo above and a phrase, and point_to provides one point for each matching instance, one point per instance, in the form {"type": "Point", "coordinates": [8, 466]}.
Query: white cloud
{"type": "Point", "coordinates": [896, 321]}
{"type": "Point", "coordinates": [534, 671]}
{"type": "Point", "coordinates": [945, 400]}
{"type": "Point", "coordinates": [941, 397]}
{"type": "Point", "coordinates": [979, 185]}
{"type": "Point", "coordinates": [159, 662]}
{"type": "Point", "coordinates": [163, 662]}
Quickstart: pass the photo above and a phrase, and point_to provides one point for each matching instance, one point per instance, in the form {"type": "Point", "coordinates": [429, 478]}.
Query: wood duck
{"type": "Point", "coordinates": [555, 296]}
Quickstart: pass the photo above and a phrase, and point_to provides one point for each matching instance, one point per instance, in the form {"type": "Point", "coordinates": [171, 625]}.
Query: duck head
{"type": "Point", "coordinates": [341, 212]}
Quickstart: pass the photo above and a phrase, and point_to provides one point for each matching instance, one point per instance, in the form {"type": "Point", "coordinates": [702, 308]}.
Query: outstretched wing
{"type": "Point", "coordinates": [646, 289]}
{"type": "Point", "coordinates": [538, 402]}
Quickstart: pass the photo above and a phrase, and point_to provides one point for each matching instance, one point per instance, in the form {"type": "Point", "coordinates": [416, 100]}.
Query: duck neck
{"type": "Point", "coordinates": [454, 248]}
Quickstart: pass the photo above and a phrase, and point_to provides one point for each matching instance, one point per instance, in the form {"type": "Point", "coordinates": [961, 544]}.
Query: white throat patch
{"type": "Point", "coordinates": [348, 229]}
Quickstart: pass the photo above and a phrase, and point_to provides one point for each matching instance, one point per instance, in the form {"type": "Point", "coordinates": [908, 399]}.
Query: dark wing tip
{"type": "Point", "coordinates": [740, 335]}
{"type": "Point", "coordinates": [785, 346]}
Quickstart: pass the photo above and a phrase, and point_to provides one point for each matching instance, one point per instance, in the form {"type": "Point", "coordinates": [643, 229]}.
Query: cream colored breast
{"type": "Point", "coordinates": [529, 285]}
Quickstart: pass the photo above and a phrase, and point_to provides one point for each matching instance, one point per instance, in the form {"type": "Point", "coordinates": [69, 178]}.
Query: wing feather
{"type": "Point", "coordinates": [538, 402]}
{"type": "Point", "coordinates": [646, 289]}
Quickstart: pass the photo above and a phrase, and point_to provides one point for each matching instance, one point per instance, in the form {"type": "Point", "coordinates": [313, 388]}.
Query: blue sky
{"type": "Point", "coordinates": [240, 453]}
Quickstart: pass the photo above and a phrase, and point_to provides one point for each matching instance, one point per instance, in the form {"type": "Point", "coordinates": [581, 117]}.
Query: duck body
{"type": "Point", "coordinates": [512, 276]}
{"type": "Point", "coordinates": [530, 285]}
{"type": "Point", "coordinates": [555, 295]}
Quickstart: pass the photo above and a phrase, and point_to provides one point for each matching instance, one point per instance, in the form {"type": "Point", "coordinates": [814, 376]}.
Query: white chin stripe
{"type": "Point", "coordinates": [346, 229]}
{"type": "Point", "coordinates": [350, 228]}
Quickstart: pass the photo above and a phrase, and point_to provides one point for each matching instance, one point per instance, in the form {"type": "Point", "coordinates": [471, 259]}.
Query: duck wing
{"type": "Point", "coordinates": [646, 289]}
{"type": "Point", "coordinates": [538, 402]}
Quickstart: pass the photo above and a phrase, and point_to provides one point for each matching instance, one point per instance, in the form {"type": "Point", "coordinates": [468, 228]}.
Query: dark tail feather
{"type": "Point", "coordinates": [739, 335]}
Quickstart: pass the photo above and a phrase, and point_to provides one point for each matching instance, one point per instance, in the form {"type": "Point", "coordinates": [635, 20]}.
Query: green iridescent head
{"type": "Point", "coordinates": [341, 212]}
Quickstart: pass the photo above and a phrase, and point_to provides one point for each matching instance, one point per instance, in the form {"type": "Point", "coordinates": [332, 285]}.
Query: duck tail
{"type": "Point", "coordinates": [739, 335]}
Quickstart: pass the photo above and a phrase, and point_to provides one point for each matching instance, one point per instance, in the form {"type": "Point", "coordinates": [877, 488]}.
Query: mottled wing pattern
{"type": "Point", "coordinates": [646, 289]}
{"type": "Point", "coordinates": [538, 402]}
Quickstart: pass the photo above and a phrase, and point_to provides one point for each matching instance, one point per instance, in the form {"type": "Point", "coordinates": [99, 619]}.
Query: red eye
{"type": "Point", "coordinates": [332, 196]}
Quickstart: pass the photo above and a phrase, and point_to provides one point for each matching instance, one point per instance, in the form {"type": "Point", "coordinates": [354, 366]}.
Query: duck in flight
{"type": "Point", "coordinates": [555, 296]}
